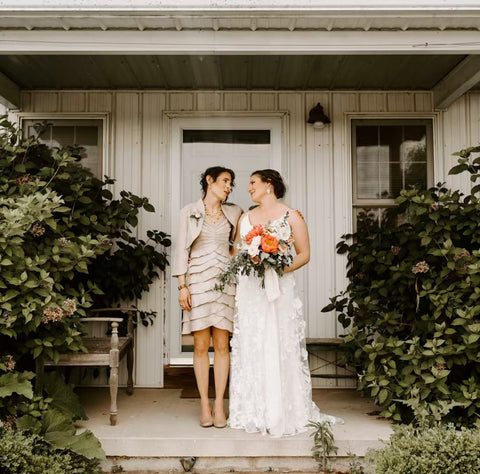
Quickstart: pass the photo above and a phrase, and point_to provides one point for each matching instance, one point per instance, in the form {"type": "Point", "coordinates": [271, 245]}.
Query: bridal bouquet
{"type": "Point", "coordinates": [264, 252]}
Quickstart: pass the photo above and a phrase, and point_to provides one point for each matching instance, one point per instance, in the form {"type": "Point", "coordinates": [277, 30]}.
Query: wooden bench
{"type": "Point", "coordinates": [102, 351]}
{"type": "Point", "coordinates": [316, 346]}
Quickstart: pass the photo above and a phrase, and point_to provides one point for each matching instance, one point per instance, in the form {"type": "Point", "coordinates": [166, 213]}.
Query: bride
{"type": "Point", "coordinates": [270, 385]}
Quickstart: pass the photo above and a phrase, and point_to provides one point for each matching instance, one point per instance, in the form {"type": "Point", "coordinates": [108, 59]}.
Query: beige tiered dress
{"type": "Point", "coordinates": [209, 256]}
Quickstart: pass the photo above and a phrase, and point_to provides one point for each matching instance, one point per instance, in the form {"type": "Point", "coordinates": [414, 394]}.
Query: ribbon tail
{"type": "Point", "coordinates": [272, 286]}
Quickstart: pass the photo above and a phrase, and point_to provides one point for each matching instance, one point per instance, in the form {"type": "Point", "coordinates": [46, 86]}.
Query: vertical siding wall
{"type": "Point", "coordinates": [318, 172]}
{"type": "Point", "coordinates": [460, 125]}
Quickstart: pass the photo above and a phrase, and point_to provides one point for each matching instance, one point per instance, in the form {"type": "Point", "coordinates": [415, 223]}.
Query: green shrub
{"type": "Point", "coordinates": [412, 304]}
{"type": "Point", "coordinates": [439, 449]}
{"type": "Point", "coordinates": [23, 453]}
{"type": "Point", "coordinates": [49, 414]}
{"type": "Point", "coordinates": [65, 245]}
{"type": "Point", "coordinates": [58, 224]}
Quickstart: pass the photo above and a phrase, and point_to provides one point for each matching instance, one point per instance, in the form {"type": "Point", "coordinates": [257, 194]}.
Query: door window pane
{"type": "Point", "coordinates": [243, 151]}
{"type": "Point", "coordinates": [253, 137]}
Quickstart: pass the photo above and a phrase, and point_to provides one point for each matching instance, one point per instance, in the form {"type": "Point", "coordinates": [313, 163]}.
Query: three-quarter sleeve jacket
{"type": "Point", "coordinates": [190, 226]}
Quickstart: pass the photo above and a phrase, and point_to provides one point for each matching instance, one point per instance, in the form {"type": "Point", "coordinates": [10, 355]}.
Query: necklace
{"type": "Point", "coordinates": [213, 216]}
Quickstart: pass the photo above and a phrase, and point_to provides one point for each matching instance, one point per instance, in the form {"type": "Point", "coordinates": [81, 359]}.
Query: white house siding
{"type": "Point", "coordinates": [461, 129]}
{"type": "Point", "coordinates": [317, 167]}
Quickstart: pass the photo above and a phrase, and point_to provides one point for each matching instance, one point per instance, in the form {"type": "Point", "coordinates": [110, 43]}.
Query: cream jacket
{"type": "Point", "coordinates": [190, 226]}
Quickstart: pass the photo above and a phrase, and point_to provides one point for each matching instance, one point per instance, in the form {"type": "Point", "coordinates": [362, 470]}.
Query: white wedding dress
{"type": "Point", "coordinates": [270, 385]}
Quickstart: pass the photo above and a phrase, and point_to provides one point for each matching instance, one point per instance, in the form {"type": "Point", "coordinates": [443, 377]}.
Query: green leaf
{"type": "Point", "coordinates": [29, 423]}
{"type": "Point", "coordinates": [428, 378]}
{"type": "Point", "coordinates": [64, 398]}
{"type": "Point", "coordinates": [37, 351]}
{"type": "Point", "coordinates": [458, 169]}
{"type": "Point", "coordinates": [148, 207]}
{"type": "Point", "coordinates": [16, 382]}
{"type": "Point", "coordinates": [59, 431]}
{"type": "Point", "coordinates": [85, 444]}
{"type": "Point", "coordinates": [382, 396]}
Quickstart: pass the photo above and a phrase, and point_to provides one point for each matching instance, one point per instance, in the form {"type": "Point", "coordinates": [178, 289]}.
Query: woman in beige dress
{"type": "Point", "coordinates": [202, 251]}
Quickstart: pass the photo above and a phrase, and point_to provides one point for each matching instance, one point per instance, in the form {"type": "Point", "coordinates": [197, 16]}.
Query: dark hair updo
{"type": "Point", "coordinates": [215, 172]}
{"type": "Point", "coordinates": [273, 177]}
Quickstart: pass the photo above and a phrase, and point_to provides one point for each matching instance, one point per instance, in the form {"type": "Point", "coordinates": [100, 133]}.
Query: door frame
{"type": "Point", "coordinates": [276, 122]}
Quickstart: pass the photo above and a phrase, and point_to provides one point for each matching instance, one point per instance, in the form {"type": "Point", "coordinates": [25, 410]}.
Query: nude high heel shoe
{"type": "Point", "coordinates": [207, 422]}
{"type": "Point", "coordinates": [218, 423]}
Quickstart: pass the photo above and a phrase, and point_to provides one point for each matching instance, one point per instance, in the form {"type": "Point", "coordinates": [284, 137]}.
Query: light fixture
{"type": "Point", "coordinates": [317, 117]}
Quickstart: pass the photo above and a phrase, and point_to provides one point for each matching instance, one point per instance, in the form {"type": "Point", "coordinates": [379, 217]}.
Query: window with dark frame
{"type": "Point", "coordinates": [388, 156]}
{"type": "Point", "coordinates": [85, 133]}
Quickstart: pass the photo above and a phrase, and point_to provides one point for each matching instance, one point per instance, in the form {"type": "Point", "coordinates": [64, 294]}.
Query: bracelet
{"type": "Point", "coordinates": [181, 287]}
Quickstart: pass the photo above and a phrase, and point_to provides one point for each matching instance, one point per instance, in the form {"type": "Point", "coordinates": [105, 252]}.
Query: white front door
{"type": "Point", "coordinates": [241, 144]}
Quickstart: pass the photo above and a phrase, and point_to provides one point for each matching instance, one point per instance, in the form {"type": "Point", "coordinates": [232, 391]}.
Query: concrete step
{"type": "Point", "coordinates": [211, 465]}
{"type": "Point", "coordinates": [156, 429]}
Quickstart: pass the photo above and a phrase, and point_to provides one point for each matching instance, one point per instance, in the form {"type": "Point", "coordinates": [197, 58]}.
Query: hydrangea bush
{"type": "Point", "coordinates": [65, 244]}
{"type": "Point", "coordinates": [58, 224]}
{"type": "Point", "coordinates": [412, 304]}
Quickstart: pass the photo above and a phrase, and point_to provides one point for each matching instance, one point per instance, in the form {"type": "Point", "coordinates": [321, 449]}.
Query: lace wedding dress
{"type": "Point", "coordinates": [270, 385]}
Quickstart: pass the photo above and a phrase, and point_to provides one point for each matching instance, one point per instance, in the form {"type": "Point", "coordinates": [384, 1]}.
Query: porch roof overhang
{"type": "Point", "coordinates": [233, 72]}
{"type": "Point", "coordinates": [259, 44]}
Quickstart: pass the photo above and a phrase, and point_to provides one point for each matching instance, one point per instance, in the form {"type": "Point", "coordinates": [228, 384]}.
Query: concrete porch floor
{"type": "Point", "coordinates": [156, 428]}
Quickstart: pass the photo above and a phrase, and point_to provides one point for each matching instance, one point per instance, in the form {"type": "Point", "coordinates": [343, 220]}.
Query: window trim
{"type": "Point", "coordinates": [395, 119]}
{"type": "Point", "coordinates": [22, 117]}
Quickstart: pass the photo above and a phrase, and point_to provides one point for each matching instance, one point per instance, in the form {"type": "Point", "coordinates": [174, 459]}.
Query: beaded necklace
{"type": "Point", "coordinates": [213, 216]}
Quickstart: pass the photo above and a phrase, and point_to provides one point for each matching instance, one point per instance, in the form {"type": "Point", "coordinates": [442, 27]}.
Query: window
{"type": "Point", "coordinates": [388, 156]}
{"type": "Point", "coordinates": [79, 132]}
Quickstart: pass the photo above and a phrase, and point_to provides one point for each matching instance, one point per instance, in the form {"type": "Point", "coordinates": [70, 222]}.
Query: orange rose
{"type": "Point", "coordinates": [257, 230]}
{"type": "Point", "coordinates": [269, 243]}
{"type": "Point", "coordinates": [255, 260]}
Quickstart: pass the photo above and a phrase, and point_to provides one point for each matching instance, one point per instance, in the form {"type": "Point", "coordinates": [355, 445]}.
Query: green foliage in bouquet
{"type": "Point", "coordinates": [412, 304]}
{"type": "Point", "coordinates": [254, 256]}
{"type": "Point", "coordinates": [437, 449]}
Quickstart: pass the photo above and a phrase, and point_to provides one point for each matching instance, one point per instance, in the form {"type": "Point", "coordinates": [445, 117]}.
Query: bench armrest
{"type": "Point", "coordinates": [100, 320]}
{"type": "Point", "coordinates": [130, 310]}
{"type": "Point", "coordinates": [123, 309]}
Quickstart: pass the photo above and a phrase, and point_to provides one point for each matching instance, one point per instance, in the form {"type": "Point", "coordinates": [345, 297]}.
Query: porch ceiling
{"type": "Point", "coordinates": [226, 72]}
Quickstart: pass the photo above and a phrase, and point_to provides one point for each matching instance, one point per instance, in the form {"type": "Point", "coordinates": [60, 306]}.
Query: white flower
{"type": "Point", "coordinates": [197, 216]}
{"type": "Point", "coordinates": [282, 230]}
{"type": "Point", "coordinates": [254, 247]}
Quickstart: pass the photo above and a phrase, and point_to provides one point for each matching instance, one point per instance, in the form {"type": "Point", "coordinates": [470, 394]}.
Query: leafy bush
{"type": "Point", "coordinates": [22, 453]}
{"type": "Point", "coordinates": [50, 414]}
{"type": "Point", "coordinates": [58, 224]}
{"type": "Point", "coordinates": [62, 237]}
{"type": "Point", "coordinates": [439, 449]}
{"type": "Point", "coordinates": [412, 304]}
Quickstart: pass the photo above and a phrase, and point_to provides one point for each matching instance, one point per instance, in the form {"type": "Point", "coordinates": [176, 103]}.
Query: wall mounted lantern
{"type": "Point", "coordinates": [317, 117]}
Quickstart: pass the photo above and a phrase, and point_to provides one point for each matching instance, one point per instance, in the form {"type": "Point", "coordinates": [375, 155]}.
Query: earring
{"type": "Point", "coordinates": [268, 190]}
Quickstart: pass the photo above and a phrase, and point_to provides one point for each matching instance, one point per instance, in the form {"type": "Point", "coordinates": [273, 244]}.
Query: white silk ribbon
{"type": "Point", "coordinates": [272, 286]}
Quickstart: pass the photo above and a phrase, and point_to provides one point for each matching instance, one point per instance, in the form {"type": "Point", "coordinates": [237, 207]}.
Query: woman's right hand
{"type": "Point", "coordinates": [184, 299]}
